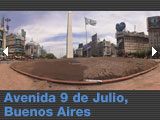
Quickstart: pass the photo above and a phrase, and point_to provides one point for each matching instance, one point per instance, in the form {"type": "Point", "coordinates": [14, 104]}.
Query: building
{"type": "Point", "coordinates": [87, 49]}
{"type": "Point", "coordinates": [34, 50]}
{"type": "Point", "coordinates": [96, 48]}
{"type": "Point", "coordinates": [31, 49]}
{"type": "Point", "coordinates": [2, 41]}
{"type": "Point", "coordinates": [16, 45]}
{"type": "Point", "coordinates": [131, 42]}
{"type": "Point", "coordinates": [153, 26]}
{"type": "Point", "coordinates": [43, 52]}
{"type": "Point", "coordinates": [79, 51]}
{"type": "Point", "coordinates": [104, 48]}
{"type": "Point", "coordinates": [113, 50]}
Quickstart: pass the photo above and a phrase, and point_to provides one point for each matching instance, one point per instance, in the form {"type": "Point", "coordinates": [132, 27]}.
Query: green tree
{"type": "Point", "coordinates": [50, 56]}
{"type": "Point", "coordinates": [142, 53]}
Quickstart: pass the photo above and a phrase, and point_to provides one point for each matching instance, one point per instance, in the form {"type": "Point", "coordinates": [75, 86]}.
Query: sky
{"type": "Point", "coordinates": [49, 28]}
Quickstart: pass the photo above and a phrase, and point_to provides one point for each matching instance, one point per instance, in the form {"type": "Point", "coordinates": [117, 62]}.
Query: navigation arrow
{"type": "Point", "coordinates": [6, 51]}
{"type": "Point", "coordinates": [153, 51]}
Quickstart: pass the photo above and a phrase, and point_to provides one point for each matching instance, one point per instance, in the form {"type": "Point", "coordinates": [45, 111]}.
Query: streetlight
{"type": "Point", "coordinates": [7, 20]}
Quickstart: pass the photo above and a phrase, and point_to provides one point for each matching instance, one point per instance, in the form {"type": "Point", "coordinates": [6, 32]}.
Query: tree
{"type": "Point", "coordinates": [75, 55]}
{"type": "Point", "coordinates": [143, 53]}
{"type": "Point", "coordinates": [140, 54]}
{"type": "Point", "coordinates": [50, 56]}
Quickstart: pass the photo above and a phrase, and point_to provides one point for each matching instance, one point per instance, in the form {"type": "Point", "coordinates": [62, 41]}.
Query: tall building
{"type": "Point", "coordinates": [16, 45]}
{"type": "Point", "coordinates": [153, 25]}
{"type": "Point", "coordinates": [1, 43]}
{"type": "Point", "coordinates": [2, 40]}
{"type": "Point", "coordinates": [69, 48]}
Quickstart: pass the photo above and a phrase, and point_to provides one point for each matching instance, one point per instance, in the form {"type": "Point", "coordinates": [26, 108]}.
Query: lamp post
{"type": "Point", "coordinates": [7, 20]}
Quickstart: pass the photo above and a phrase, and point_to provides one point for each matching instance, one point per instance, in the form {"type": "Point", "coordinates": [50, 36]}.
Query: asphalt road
{"type": "Point", "coordinates": [11, 80]}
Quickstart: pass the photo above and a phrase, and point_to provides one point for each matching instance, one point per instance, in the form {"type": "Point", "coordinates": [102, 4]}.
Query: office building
{"type": "Point", "coordinates": [129, 43]}
{"type": "Point", "coordinates": [2, 41]}
{"type": "Point", "coordinates": [16, 45]}
{"type": "Point", "coordinates": [153, 26]}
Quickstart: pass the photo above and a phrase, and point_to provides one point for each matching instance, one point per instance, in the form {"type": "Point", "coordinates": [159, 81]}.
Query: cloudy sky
{"type": "Point", "coordinates": [49, 28]}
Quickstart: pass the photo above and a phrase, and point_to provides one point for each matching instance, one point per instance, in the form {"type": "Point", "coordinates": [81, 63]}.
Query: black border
{"type": "Point", "coordinates": [79, 5]}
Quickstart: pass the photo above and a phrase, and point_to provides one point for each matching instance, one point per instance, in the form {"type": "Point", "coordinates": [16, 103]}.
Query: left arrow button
{"type": "Point", "coordinates": [6, 51]}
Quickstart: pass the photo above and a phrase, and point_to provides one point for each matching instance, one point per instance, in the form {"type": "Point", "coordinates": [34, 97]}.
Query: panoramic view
{"type": "Point", "coordinates": [79, 50]}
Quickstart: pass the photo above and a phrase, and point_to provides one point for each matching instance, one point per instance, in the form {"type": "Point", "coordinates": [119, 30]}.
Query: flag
{"type": "Point", "coordinates": [90, 21]}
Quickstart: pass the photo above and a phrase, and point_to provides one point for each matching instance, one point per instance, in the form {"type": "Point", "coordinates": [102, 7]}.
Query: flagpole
{"type": "Point", "coordinates": [86, 37]}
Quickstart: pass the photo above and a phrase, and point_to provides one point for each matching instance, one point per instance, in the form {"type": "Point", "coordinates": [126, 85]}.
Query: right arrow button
{"type": "Point", "coordinates": [154, 51]}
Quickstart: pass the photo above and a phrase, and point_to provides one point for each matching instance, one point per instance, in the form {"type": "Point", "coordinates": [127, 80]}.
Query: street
{"type": "Point", "coordinates": [11, 80]}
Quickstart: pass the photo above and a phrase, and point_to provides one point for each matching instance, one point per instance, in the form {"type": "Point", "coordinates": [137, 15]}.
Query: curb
{"type": "Point", "coordinates": [82, 82]}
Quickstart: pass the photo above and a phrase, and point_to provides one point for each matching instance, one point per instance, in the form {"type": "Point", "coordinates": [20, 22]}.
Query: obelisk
{"type": "Point", "coordinates": [69, 48]}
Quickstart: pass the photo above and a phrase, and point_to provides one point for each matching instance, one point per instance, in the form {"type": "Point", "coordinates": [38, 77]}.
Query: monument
{"type": "Point", "coordinates": [69, 48]}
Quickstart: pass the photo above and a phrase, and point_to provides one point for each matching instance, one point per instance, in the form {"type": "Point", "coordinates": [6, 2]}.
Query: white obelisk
{"type": "Point", "coordinates": [69, 48]}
